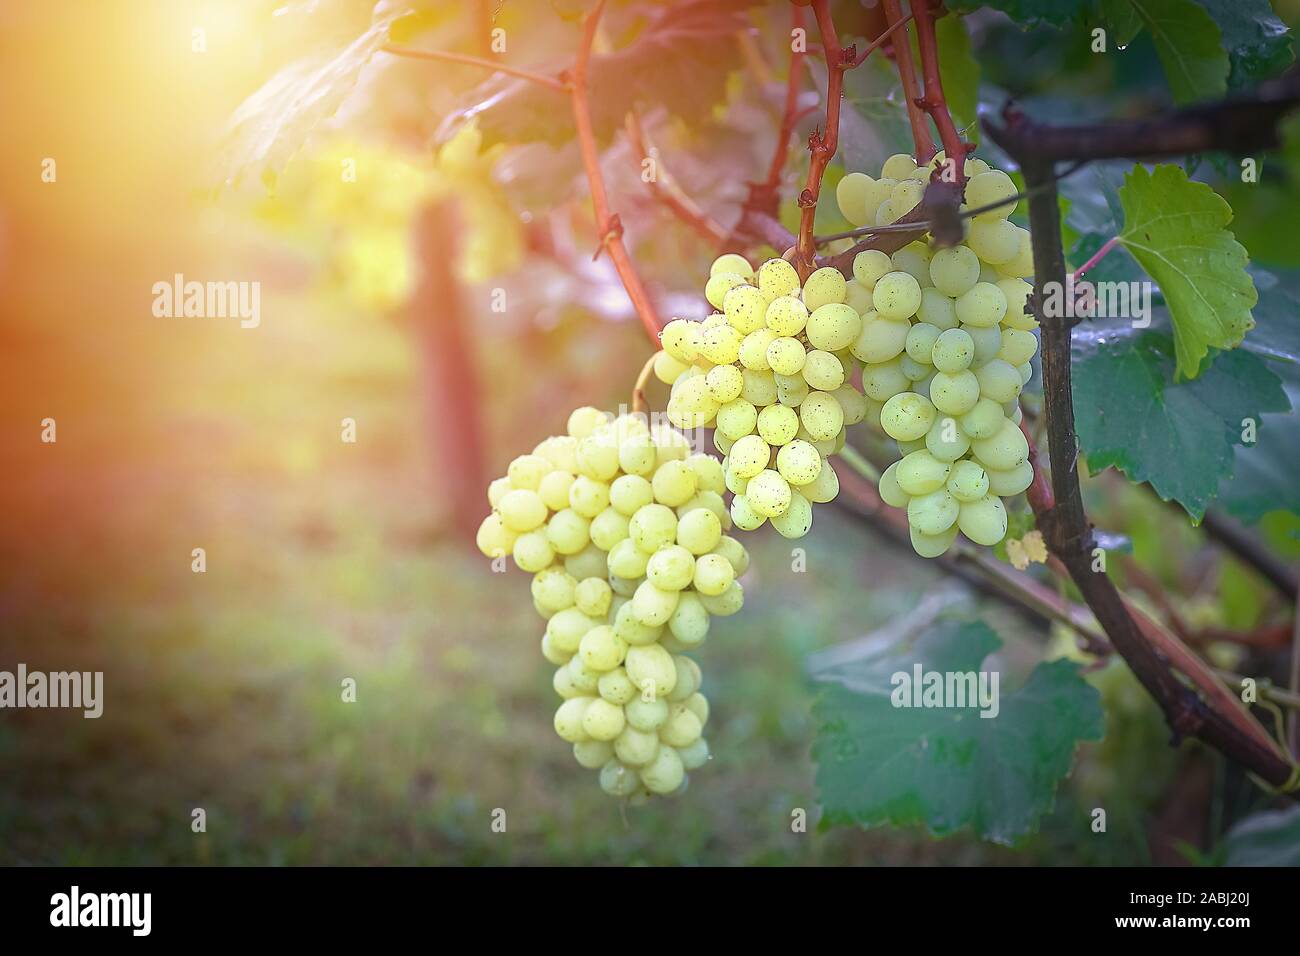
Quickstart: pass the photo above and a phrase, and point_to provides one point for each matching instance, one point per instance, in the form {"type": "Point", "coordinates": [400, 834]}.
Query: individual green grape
{"type": "Point", "coordinates": [899, 166]}
{"type": "Point", "coordinates": [724, 383]}
{"type": "Point", "coordinates": [999, 381]}
{"type": "Point", "coordinates": [993, 240]}
{"type": "Point", "coordinates": [932, 513]}
{"type": "Point", "coordinates": [768, 494]}
{"type": "Point", "coordinates": [665, 774]}
{"type": "Point", "coordinates": [680, 339]}
{"type": "Point", "coordinates": [653, 606]}
{"type": "Point", "coordinates": [554, 490]}
{"type": "Point", "coordinates": [1026, 372]}
{"type": "Point", "coordinates": [852, 403]}
{"type": "Point", "coordinates": [786, 316]}
{"type": "Point", "coordinates": [713, 574]}
{"type": "Point", "coordinates": [1011, 481]}
{"type": "Point", "coordinates": [907, 416]}
{"type": "Point", "coordinates": [744, 306]}
{"type": "Point", "coordinates": [618, 780]}
{"type": "Point", "coordinates": [698, 705]}
{"type": "Point", "coordinates": [628, 493]}
{"type": "Point", "coordinates": [955, 394]}
{"type": "Point", "coordinates": [601, 649]}
{"type": "Point", "coordinates": [882, 382]}
{"type": "Point", "coordinates": [886, 214]}
{"type": "Point", "coordinates": [824, 286]}
{"type": "Point", "coordinates": [897, 295]}
{"type": "Point", "coordinates": [590, 562]}
{"type": "Point", "coordinates": [652, 527]}
{"type": "Point", "coordinates": [648, 712]}
{"type": "Point", "coordinates": [568, 532]}
{"type": "Point", "coordinates": [497, 490]}
{"type": "Point", "coordinates": [668, 369]}
{"type": "Point", "coordinates": [833, 326]}
{"type": "Point", "coordinates": [716, 289]}
{"type": "Point", "coordinates": [731, 262]}
{"type": "Point", "coordinates": [983, 305]}
{"type": "Point", "coordinates": [522, 510]}
{"type": "Point", "coordinates": [527, 471]}
{"type": "Point", "coordinates": [703, 501]}
{"type": "Point", "coordinates": [749, 456]}
{"type": "Point", "coordinates": [858, 297]}
{"type": "Point", "coordinates": [727, 603]}
{"type": "Point", "coordinates": [533, 552]}
{"type": "Point", "coordinates": [566, 628]}
{"type": "Point", "coordinates": [877, 194]}
{"type": "Point", "coordinates": [670, 568]}
{"type": "Point", "coordinates": [869, 266]}
{"type": "Point", "coordinates": [890, 493]}
{"type": "Point", "coordinates": [1023, 263]}
{"type": "Point", "coordinates": [735, 553]}
{"type": "Point", "coordinates": [776, 277]}
{"type": "Point", "coordinates": [737, 419]}
{"type": "Point", "coordinates": [696, 755]}
{"type": "Point", "coordinates": [906, 196]}
{"type": "Point", "coordinates": [821, 415]}
{"type": "Point", "coordinates": [880, 339]}
{"type": "Point", "coordinates": [673, 483]}
{"type": "Point", "coordinates": [1017, 292]}
{"type": "Point", "coordinates": [699, 531]}
{"type": "Point", "coordinates": [988, 188]}
{"type": "Point", "coordinates": [825, 487]}
{"type": "Point", "coordinates": [689, 622]}
{"type": "Point", "coordinates": [1003, 451]}
{"type": "Point", "coordinates": [953, 351]}
{"type": "Point", "coordinates": [851, 197]}
{"type": "Point", "coordinates": [1018, 346]}
{"type": "Point", "coordinates": [585, 420]}
{"type": "Point", "coordinates": [708, 472]}
{"type": "Point", "coordinates": [984, 521]}
{"type": "Point", "coordinates": [583, 677]}
{"type": "Point", "coordinates": [743, 514]}
{"type": "Point", "coordinates": [945, 439]}
{"type": "Point", "coordinates": [920, 473]}
{"type": "Point", "coordinates": [636, 748]}
{"type": "Point", "coordinates": [914, 259]}
{"type": "Point", "coordinates": [954, 270]}
{"type": "Point", "coordinates": [823, 371]}
{"type": "Point", "coordinates": [494, 539]}
{"type": "Point", "coordinates": [682, 727]}
{"type": "Point", "coordinates": [798, 463]}
{"type": "Point", "coordinates": [753, 350]}
{"type": "Point", "coordinates": [592, 754]}
{"type": "Point", "coordinates": [637, 455]}
{"type": "Point", "coordinates": [984, 420]}
{"type": "Point", "coordinates": [786, 356]}
{"type": "Point", "coordinates": [588, 497]}
{"type": "Point", "coordinates": [598, 458]}
{"type": "Point", "coordinates": [592, 597]}
{"type": "Point", "coordinates": [933, 545]}
{"type": "Point", "coordinates": [721, 344]}
{"type": "Point", "coordinates": [778, 424]}
{"type": "Point", "coordinates": [797, 519]}
{"type": "Point", "coordinates": [937, 309]}
{"type": "Point", "coordinates": [968, 481]}
{"type": "Point", "coordinates": [791, 390]}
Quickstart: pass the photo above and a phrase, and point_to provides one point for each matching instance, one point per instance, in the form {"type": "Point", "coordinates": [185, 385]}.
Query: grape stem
{"type": "Point", "coordinates": [765, 196]}
{"type": "Point", "coordinates": [1096, 257]}
{"type": "Point", "coordinates": [667, 192]}
{"type": "Point", "coordinates": [916, 116]}
{"type": "Point", "coordinates": [933, 100]}
{"type": "Point", "coordinates": [639, 403]}
{"type": "Point", "coordinates": [608, 226]}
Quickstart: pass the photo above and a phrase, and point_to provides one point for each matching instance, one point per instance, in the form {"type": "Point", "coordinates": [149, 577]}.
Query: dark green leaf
{"type": "Point", "coordinates": [948, 768]}
{"type": "Point", "coordinates": [1179, 437]}
{"type": "Point", "coordinates": [1258, 43]}
{"type": "Point", "coordinates": [1271, 838]}
{"type": "Point", "coordinates": [1188, 43]}
{"type": "Point", "coordinates": [1121, 20]}
{"type": "Point", "coordinates": [1174, 228]}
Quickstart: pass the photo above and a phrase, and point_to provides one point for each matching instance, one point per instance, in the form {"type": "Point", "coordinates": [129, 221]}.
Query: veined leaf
{"type": "Point", "coordinates": [1257, 41]}
{"type": "Point", "coordinates": [1188, 43]}
{"type": "Point", "coordinates": [1175, 230]}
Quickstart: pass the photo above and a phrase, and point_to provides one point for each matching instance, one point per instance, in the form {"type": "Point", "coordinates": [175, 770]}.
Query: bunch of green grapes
{"type": "Point", "coordinates": [946, 347]}
{"type": "Point", "coordinates": [624, 532]}
{"type": "Point", "coordinates": [772, 373]}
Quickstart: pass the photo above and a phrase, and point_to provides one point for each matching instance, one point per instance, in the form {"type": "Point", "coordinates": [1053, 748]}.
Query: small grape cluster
{"type": "Point", "coordinates": [623, 530]}
{"type": "Point", "coordinates": [946, 348]}
{"type": "Point", "coordinates": [772, 372]}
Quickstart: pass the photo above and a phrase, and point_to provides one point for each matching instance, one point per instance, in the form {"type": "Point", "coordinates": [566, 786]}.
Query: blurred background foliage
{"type": "Point", "coordinates": [328, 560]}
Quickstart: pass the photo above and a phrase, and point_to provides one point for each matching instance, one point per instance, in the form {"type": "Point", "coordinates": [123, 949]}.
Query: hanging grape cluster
{"type": "Point", "coordinates": [623, 530]}
{"type": "Point", "coordinates": [946, 348]}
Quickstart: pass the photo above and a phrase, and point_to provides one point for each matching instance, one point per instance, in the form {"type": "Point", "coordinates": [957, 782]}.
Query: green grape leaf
{"type": "Point", "coordinates": [1188, 43]}
{"type": "Point", "coordinates": [1271, 838]}
{"type": "Point", "coordinates": [1174, 229]}
{"type": "Point", "coordinates": [960, 72]}
{"type": "Point", "coordinates": [679, 61]}
{"type": "Point", "coordinates": [1121, 20]}
{"type": "Point", "coordinates": [1056, 13]}
{"type": "Point", "coordinates": [269, 127]}
{"type": "Point", "coordinates": [947, 768]}
{"type": "Point", "coordinates": [1258, 43]}
{"type": "Point", "coordinates": [1177, 436]}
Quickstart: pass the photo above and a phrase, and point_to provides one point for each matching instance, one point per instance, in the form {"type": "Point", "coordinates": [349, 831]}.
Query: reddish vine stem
{"type": "Point", "coordinates": [933, 101]}
{"type": "Point", "coordinates": [766, 194]}
{"type": "Point", "coordinates": [822, 143]}
{"type": "Point", "coordinates": [608, 226]}
{"type": "Point", "coordinates": [666, 191]}
{"type": "Point", "coordinates": [907, 74]}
